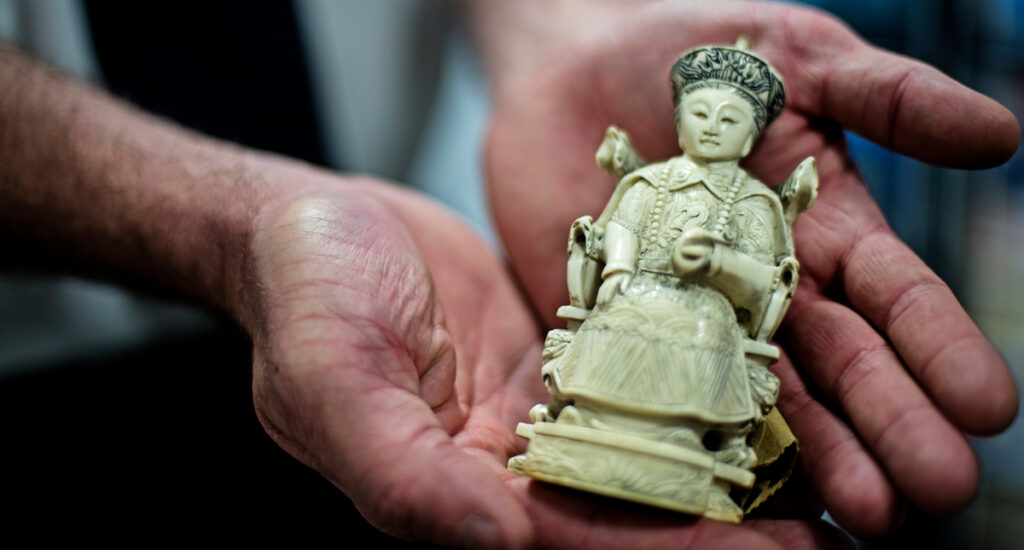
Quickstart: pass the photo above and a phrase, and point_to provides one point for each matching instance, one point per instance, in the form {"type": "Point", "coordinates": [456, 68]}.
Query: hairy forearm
{"type": "Point", "coordinates": [93, 184]}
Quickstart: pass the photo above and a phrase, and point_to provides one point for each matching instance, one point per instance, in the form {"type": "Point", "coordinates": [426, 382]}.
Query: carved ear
{"type": "Point", "coordinates": [748, 145]}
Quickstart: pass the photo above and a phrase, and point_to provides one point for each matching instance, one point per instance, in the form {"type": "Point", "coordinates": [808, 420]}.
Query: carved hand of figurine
{"type": "Point", "coordinates": [903, 369]}
{"type": "Point", "coordinates": [612, 286]}
{"type": "Point", "coordinates": [693, 253]}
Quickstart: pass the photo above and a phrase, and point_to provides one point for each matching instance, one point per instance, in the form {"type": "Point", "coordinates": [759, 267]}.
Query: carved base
{"type": "Point", "coordinates": [631, 468]}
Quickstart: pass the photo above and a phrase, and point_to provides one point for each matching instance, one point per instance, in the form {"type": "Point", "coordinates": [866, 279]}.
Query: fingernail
{"type": "Point", "coordinates": [479, 532]}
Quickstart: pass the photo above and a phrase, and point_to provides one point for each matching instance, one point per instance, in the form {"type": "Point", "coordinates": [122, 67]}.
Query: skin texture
{"type": "Point", "coordinates": [392, 350]}
{"type": "Point", "coordinates": [394, 353]}
{"type": "Point", "coordinates": [884, 370]}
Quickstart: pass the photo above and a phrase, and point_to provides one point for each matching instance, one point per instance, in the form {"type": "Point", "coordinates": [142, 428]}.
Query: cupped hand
{"type": "Point", "coordinates": [393, 353]}
{"type": "Point", "coordinates": [883, 370]}
{"type": "Point", "coordinates": [691, 253]}
{"type": "Point", "coordinates": [612, 286]}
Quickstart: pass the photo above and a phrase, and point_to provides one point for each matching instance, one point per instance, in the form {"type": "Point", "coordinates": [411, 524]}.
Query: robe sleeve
{"type": "Point", "coordinates": [632, 209]}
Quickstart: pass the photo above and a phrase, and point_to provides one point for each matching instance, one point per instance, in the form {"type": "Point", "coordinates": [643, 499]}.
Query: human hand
{"type": "Point", "coordinates": [891, 369]}
{"type": "Point", "coordinates": [394, 355]}
{"type": "Point", "coordinates": [392, 351]}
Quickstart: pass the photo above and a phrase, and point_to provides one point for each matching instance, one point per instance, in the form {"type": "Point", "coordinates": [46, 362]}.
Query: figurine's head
{"type": "Point", "coordinates": [724, 98]}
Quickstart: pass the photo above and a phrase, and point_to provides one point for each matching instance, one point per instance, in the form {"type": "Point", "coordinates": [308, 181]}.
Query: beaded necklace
{"type": "Point", "coordinates": [658, 212]}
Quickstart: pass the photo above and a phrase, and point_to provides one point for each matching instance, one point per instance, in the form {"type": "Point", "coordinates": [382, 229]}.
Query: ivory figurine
{"type": "Point", "coordinates": [675, 292]}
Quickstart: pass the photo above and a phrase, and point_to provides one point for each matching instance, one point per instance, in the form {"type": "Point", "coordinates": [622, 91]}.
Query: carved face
{"type": "Point", "coordinates": [715, 125]}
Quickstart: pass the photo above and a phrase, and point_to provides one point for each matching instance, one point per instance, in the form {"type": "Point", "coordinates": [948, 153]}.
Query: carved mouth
{"type": "Point", "coordinates": [708, 141]}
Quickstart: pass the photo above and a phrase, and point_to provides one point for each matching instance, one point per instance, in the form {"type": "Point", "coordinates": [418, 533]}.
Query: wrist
{"type": "Point", "coordinates": [95, 186]}
{"type": "Point", "coordinates": [613, 269]}
{"type": "Point", "coordinates": [268, 186]}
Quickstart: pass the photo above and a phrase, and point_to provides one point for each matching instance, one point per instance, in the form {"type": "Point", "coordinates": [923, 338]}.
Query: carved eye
{"type": "Point", "coordinates": [700, 114]}
{"type": "Point", "coordinates": [729, 120]}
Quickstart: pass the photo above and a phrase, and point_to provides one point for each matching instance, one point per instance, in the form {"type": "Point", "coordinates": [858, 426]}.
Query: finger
{"type": "Point", "coordinates": [419, 483]}
{"type": "Point", "coordinates": [898, 102]}
{"type": "Point", "coordinates": [695, 251]}
{"type": "Point", "coordinates": [924, 455]}
{"type": "Point", "coordinates": [900, 296]}
{"type": "Point", "coordinates": [348, 388]}
{"type": "Point", "coordinates": [625, 284]}
{"type": "Point", "coordinates": [406, 476]}
{"type": "Point", "coordinates": [851, 484]}
{"type": "Point", "coordinates": [938, 342]}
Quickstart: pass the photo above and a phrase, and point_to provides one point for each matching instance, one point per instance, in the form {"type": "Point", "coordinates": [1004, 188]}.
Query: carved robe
{"type": "Point", "coordinates": [664, 346]}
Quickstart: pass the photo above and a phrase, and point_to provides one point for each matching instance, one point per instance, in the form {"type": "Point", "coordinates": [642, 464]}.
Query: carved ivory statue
{"type": "Point", "coordinates": [675, 291]}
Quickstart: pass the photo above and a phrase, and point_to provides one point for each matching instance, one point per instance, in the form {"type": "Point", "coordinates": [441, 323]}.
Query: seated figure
{"type": "Point", "coordinates": [675, 292]}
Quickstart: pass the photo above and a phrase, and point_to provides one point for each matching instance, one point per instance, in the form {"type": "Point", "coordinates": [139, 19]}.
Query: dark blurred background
{"type": "Point", "coordinates": [122, 411]}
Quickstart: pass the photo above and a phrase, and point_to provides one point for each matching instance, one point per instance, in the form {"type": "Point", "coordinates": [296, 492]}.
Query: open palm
{"type": "Point", "coordinates": [892, 369]}
{"type": "Point", "coordinates": [394, 354]}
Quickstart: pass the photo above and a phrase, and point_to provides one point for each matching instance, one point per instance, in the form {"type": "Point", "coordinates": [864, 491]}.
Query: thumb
{"type": "Point", "coordinates": [893, 100]}
{"type": "Point", "coordinates": [384, 447]}
{"type": "Point", "coordinates": [408, 478]}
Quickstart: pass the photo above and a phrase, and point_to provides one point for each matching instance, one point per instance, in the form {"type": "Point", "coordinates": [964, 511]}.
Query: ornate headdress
{"type": "Point", "coordinates": [749, 75]}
